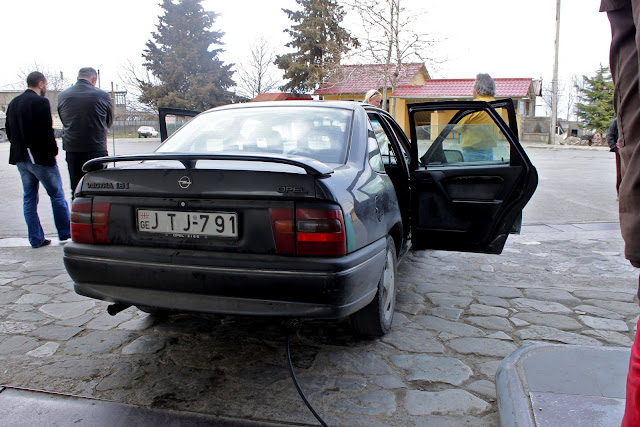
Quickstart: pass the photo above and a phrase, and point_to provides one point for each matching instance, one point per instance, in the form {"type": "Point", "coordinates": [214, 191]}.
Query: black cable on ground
{"type": "Point", "coordinates": [295, 382]}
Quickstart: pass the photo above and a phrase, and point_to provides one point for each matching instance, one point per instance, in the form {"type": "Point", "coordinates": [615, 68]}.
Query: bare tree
{"type": "Point", "coordinates": [389, 38]}
{"type": "Point", "coordinates": [573, 95]}
{"type": "Point", "coordinates": [547, 97]}
{"type": "Point", "coordinates": [254, 75]}
{"type": "Point", "coordinates": [568, 94]}
{"type": "Point", "coordinates": [56, 81]}
{"type": "Point", "coordinates": [134, 77]}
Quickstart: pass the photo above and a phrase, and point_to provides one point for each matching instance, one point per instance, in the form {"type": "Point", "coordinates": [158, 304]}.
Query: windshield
{"type": "Point", "coordinates": [316, 132]}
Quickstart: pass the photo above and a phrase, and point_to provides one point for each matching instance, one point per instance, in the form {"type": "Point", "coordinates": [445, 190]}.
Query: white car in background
{"type": "Point", "coordinates": [147, 131]}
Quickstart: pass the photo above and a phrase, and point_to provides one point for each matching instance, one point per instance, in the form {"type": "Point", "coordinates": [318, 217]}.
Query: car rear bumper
{"type": "Point", "coordinates": [205, 281]}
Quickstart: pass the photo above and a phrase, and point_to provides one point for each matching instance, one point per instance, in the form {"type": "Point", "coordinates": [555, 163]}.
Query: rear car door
{"type": "Point", "coordinates": [171, 119]}
{"type": "Point", "coordinates": [395, 156]}
{"type": "Point", "coordinates": [471, 178]}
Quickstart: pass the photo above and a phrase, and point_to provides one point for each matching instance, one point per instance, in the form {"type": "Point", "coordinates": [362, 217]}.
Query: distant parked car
{"type": "Point", "coordinates": [294, 209]}
{"type": "Point", "coordinates": [3, 133]}
{"type": "Point", "coordinates": [147, 131]}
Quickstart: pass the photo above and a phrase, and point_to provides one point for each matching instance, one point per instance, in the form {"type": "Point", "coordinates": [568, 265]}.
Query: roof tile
{"type": "Point", "coordinates": [462, 88]}
{"type": "Point", "coordinates": [279, 96]}
{"type": "Point", "coordinates": [358, 79]}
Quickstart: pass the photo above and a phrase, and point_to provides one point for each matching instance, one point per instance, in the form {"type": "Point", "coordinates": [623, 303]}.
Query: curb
{"type": "Point", "coordinates": [579, 370]}
{"type": "Point", "coordinates": [544, 146]}
{"type": "Point", "coordinates": [23, 407]}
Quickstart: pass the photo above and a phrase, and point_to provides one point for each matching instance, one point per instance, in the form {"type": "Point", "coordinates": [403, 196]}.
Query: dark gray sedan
{"type": "Point", "coordinates": [295, 209]}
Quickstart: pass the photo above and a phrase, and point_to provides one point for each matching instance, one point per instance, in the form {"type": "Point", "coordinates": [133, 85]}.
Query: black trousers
{"type": "Point", "coordinates": [75, 160]}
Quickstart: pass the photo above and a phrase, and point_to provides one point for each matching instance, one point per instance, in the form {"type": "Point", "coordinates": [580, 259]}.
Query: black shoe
{"type": "Point", "coordinates": [45, 242]}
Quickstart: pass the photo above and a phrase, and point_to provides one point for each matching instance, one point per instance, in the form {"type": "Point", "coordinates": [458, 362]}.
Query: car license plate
{"type": "Point", "coordinates": [222, 224]}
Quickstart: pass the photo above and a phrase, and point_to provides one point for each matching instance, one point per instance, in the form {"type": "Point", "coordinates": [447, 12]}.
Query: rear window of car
{"type": "Point", "coordinates": [317, 132]}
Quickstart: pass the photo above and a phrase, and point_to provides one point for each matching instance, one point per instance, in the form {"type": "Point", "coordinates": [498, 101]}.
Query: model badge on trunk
{"type": "Point", "coordinates": [184, 182]}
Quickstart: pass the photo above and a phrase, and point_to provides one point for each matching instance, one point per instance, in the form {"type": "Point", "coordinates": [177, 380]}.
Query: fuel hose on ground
{"type": "Point", "coordinates": [295, 379]}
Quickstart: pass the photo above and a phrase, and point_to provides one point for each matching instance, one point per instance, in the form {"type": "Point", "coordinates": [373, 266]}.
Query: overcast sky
{"type": "Point", "coordinates": [506, 38]}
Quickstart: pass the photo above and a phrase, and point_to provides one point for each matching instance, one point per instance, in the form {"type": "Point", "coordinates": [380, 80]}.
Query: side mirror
{"type": "Point", "coordinates": [453, 156]}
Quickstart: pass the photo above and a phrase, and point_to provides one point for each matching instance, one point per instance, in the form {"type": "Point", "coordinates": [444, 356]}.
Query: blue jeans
{"type": "Point", "coordinates": [32, 175]}
{"type": "Point", "coordinates": [473, 155]}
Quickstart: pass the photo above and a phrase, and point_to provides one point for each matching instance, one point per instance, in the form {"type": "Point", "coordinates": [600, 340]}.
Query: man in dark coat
{"type": "Point", "coordinates": [33, 150]}
{"type": "Point", "coordinates": [624, 16]}
{"type": "Point", "coordinates": [86, 113]}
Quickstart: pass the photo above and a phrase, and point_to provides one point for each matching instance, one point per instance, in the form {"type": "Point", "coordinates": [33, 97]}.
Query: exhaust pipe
{"type": "Point", "coordinates": [114, 309]}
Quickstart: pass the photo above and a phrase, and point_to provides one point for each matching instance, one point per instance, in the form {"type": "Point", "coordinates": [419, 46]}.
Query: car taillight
{"type": "Point", "coordinates": [100, 222]}
{"type": "Point", "coordinates": [313, 232]}
{"type": "Point", "coordinates": [282, 226]}
{"type": "Point", "coordinates": [320, 232]}
{"type": "Point", "coordinates": [89, 221]}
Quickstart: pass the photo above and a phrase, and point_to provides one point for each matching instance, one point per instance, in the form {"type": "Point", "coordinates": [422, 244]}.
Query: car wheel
{"type": "Point", "coordinates": [3, 136]}
{"type": "Point", "coordinates": [139, 136]}
{"type": "Point", "coordinates": [375, 319]}
{"type": "Point", "coordinates": [154, 311]}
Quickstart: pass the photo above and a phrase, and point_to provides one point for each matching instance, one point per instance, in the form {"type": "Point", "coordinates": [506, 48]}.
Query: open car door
{"type": "Point", "coordinates": [171, 119]}
{"type": "Point", "coordinates": [470, 176]}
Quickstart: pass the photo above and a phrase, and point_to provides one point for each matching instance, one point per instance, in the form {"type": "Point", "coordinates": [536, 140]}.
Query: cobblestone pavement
{"type": "Point", "coordinates": [457, 316]}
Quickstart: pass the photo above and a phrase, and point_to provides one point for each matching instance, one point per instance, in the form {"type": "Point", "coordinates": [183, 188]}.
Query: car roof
{"type": "Point", "coordinates": [349, 105]}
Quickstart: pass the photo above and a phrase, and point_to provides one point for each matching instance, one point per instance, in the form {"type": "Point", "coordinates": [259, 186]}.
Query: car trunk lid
{"type": "Point", "coordinates": [207, 207]}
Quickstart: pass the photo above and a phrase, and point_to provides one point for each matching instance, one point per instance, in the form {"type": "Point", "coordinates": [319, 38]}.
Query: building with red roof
{"type": "Point", "coordinates": [522, 91]}
{"type": "Point", "coordinates": [351, 82]}
{"type": "Point", "coordinates": [413, 84]}
{"type": "Point", "coordinates": [442, 89]}
{"type": "Point", "coordinates": [280, 96]}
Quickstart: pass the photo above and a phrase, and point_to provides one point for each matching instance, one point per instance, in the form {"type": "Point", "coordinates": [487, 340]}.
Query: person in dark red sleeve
{"type": "Point", "coordinates": [624, 17]}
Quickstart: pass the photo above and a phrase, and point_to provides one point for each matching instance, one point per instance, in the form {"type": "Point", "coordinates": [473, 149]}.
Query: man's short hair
{"type": "Point", "coordinates": [485, 85]}
{"type": "Point", "coordinates": [87, 73]}
{"type": "Point", "coordinates": [34, 78]}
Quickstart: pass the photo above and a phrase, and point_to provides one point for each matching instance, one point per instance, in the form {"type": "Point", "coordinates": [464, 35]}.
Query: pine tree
{"type": "Point", "coordinates": [320, 42]}
{"type": "Point", "coordinates": [595, 109]}
{"type": "Point", "coordinates": [190, 75]}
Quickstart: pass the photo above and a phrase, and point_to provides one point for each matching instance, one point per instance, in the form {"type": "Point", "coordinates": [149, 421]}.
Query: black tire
{"type": "Point", "coordinates": [375, 319]}
{"type": "Point", "coordinates": [3, 136]}
{"type": "Point", "coordinates": [139, 136]}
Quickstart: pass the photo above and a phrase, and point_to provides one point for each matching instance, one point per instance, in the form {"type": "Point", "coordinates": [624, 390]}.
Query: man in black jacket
{"type": "Point", "coordinates": [86, 113]}
{"type": "Point", "coordinates": [33, 150]}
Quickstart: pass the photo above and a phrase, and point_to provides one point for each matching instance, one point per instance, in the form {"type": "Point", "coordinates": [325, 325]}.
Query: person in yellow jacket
{"type": "Point", "coordinates": [478, 132]}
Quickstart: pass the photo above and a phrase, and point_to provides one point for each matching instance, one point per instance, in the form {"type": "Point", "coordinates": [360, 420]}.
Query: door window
{"type": "Point", "coordinates": [384, 135]}
{"type": "Point", "coordinates": [383, 141]}
{"type": "Point", "coordinates": [373, 147]}
{"type": "Point", "coordinates": [459, 137]}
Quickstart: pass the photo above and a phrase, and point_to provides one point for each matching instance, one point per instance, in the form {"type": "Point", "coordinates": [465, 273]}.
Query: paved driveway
{"type": "Point", "coordinates": [457, 316]}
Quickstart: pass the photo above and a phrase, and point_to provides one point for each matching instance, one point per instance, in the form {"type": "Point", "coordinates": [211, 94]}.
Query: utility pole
{"type": "Point", "coordinates": [113, 127]}
{"type": "Point", "coordinates": [554, 83]}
